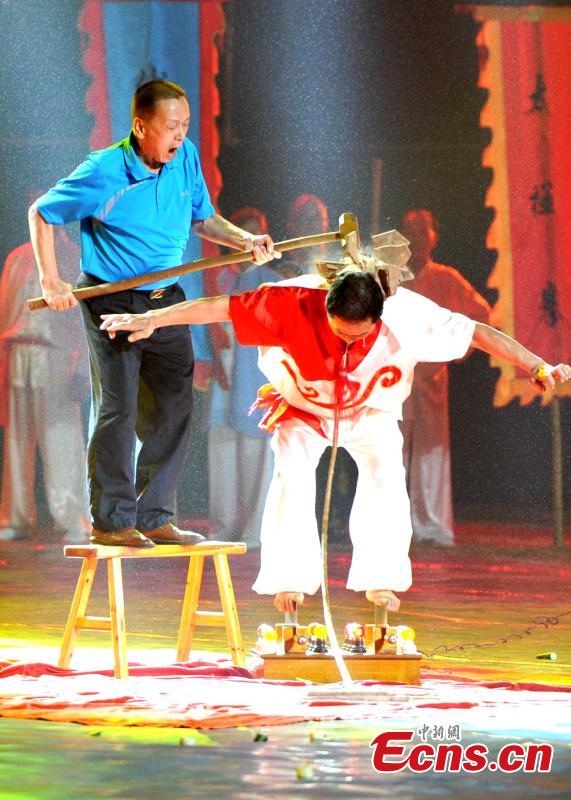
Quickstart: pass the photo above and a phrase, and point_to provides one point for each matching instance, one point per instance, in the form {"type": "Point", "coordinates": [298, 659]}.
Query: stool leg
{"type": "Point", "coordinates": [189, 606]}
{"type": "Point", "coordinates": [78, 606]}
{"type": "Point", "coordinates": [117, 614]}
{"type": "Point", "coordinates": [229, 608]}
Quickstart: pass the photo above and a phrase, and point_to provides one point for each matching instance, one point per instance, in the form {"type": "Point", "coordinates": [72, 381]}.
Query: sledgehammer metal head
{"type": "Point", "coordinates": [350, 239]}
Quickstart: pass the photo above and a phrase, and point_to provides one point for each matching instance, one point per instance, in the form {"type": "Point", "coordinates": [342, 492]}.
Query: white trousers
{"type": "Point", "coordinates": [379, 525]}
{"type": "Point", "coordinates": [427, 459]}
{"type": "Point", "coordinates": [46, 418]}
{"type": "Point", "coordinates": [239, 473]}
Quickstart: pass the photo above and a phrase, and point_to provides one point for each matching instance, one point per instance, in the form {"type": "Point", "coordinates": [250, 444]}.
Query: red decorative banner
{"type": "Point", "coordinates": [525, 66]}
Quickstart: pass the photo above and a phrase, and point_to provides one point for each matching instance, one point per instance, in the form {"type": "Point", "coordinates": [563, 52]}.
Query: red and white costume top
{"type": "Point", "coordinates": [308, 364]}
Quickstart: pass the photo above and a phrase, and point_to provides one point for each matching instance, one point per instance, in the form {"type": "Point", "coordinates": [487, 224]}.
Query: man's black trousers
{"type": "Point", "coordinates": [139, 391]}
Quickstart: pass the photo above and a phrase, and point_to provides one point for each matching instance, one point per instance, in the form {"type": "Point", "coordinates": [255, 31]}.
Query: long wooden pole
{"type": "Point", "coordinates": [557, 458]}
{"type": "Point", "coordinates": [376, 194]}
{"type": "Point", "coordinates": [191, 266]}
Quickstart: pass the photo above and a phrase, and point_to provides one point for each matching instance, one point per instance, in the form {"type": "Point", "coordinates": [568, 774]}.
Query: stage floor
{"type": "Point", "coordinates": [502, 586]}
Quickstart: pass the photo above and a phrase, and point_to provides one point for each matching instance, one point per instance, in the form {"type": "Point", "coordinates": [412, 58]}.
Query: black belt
{"type": "Point", "coordinates": [156, 294]}
{"type": "Point", "coordinates": [152, 294]}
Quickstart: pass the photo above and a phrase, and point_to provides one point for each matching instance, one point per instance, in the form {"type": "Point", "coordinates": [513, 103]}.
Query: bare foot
{"type": "Point", "coordinates": [288, 601]}
{"type": "Point", "coordinates": [381, 597]}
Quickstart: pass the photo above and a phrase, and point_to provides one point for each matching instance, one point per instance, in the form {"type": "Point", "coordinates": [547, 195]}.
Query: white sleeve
{"type": "Point", "coordinates": [309, 280]}
{"type": "Point", "coordinates": [428, 331]}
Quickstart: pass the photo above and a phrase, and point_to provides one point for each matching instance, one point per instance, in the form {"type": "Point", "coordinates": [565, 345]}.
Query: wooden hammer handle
{"type": "Point", "coordinates": [192, 266]}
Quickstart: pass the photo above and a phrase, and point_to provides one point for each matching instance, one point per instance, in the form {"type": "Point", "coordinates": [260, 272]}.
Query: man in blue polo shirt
{"type": "Point", "coordinates": [136, 202]}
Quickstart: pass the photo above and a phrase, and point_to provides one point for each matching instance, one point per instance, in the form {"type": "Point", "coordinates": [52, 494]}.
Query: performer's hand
{"type": "Point", "coordinates": [141, 325]}
{"type": "Point", "coordinates": [544, 376]}
{"type": "Point", "coordinates": [58, 294]}
{"type": "Point", "coordinates": [383, 597]}
{"type": "Point", "coordinates": [287, 602]}
{"type": "Point", "coordinates": [562, 373]}
{"type": "Point", "coordinates": [262, 248]}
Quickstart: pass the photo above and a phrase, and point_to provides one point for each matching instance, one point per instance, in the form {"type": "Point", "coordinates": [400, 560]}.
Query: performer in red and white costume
{"type": "Point", "coordinates": [319, 347]}
{"type": "Point", "coordinates": [303, 359]}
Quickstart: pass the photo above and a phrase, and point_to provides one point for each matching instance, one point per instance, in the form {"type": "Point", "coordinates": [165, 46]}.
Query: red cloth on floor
{"type": "Point", "coordinates": [217, 694]}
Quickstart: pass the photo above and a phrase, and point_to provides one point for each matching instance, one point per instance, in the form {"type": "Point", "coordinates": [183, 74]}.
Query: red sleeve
{"type": "Point", "coordinates": [264, 315]}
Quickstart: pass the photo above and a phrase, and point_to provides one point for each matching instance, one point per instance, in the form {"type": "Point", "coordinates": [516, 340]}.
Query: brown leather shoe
{"type": "Point", "coordinates": [123, 537]}
{"type": "Point", "coordinates": [170, 534]}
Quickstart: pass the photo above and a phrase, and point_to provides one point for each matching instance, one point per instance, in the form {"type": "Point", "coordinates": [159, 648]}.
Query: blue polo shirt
{"type": "Point", "coordinates": [132, 221]}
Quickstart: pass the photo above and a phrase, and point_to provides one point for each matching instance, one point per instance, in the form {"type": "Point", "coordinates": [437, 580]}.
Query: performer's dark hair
{"type": "Point", "coordinates": [148, 94]}
{"type": "Point", "coordinates": [355, 296]}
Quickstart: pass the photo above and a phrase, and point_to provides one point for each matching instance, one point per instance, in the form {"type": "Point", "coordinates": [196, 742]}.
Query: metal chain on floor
{"type": "Point", "coordinates": [535, 624]}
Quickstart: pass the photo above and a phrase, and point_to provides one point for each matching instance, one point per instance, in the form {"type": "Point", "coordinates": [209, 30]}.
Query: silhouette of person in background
{"type": "Point", "coordinates": [306, 215]}
{"type": "Point", "coordinates": [425, 414]}
{"type": "Point", "coordinates": [239, 454]}
{"type": "Point", "coordinates": [240, 460]}
{"type": "Point", "coordinates": [43, 378]}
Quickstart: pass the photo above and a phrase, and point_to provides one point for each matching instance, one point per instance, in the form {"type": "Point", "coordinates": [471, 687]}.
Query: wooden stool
{"type": "Point", "coordinates": [191, 616]}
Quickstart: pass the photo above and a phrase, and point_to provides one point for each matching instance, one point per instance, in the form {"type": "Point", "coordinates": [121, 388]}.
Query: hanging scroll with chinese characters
{"type": "Point", "coordinates": [525, 67]}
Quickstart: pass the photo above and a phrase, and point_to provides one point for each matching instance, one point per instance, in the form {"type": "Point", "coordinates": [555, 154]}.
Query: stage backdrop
{"type": "Point", "coordinates": [127, 42]}
{"type": "Point", "coordinates": [525, 66]}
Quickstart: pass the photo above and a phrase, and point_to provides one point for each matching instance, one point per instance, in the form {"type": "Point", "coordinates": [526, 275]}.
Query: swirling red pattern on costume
{"type": "Point", "coordinates": [387, 376]}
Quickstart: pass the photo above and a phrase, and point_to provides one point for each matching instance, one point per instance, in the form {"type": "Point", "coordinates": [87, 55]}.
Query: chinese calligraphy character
{"type": "Point", "coordinates": [538, 99]}
{"type": "Point", "coordinates": [549, 305]}
{"type": "Point", "coordinates": [542, 199]}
